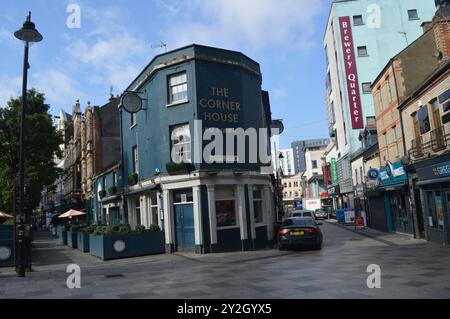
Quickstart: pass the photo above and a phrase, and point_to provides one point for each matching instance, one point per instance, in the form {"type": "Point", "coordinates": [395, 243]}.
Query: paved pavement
{"type": "Point", "coordinates": [409, 269]}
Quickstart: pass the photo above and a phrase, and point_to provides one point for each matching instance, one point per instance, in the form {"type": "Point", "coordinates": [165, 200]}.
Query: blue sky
{"type": "Point", "coordinates": [115, 42]}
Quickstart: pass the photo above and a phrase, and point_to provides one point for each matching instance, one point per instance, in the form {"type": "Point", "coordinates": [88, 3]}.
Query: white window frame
{"type": "Point", "coordinates": [183, 147]}
{"type": "Point", "coordinates": [177, 85]}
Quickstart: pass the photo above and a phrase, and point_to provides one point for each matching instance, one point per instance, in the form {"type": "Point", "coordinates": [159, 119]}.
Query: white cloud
{"type": "Point", "coordinates": [58, 87]}
{"type": "Point", "coordinates": [10, 87]}
{"type": "Point", "coordinates": [110, 49]}
{"type": "Point", "coordinates": [288, 24]}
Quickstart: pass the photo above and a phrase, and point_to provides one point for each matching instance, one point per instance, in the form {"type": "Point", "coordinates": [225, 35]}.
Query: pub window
{"type": "Point", "coordinates": [181, 143]}
{"type": "Point", "coordinates": [366, 87]}
{"type": "Point", "coordinates": [362, 51]}
{"type": "Point", "coordinates": [177, 88]}
{"type": "Point", "coordinates": [257, 205]}
{"type": "Point", "coordinates": [423, 119]}
{"type": "Point", "coordinates": [154, 220]}
{"type": "Point", "coordinates": [225, 207]}
{"type": "Point", "coordinates": [137, 210]}
{"type": "Point", "coordinates": [413, 15]}
{"type": "Point", "coordinates": [358, 20]}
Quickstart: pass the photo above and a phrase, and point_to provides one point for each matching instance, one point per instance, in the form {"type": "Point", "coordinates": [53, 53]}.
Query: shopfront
{"type": "Point", "coordinates": [434, 184]}
{"type": "Point", "coordinates": [394, 185]}
{"type": "Point", "coordinates": [334, 193]}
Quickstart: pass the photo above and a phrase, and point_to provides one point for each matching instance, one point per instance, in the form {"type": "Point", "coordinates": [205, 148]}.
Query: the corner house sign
{"type": "Point", "coordinates": [351, 73]}
{"type": "Point", "coordinates": [434, 171]}
{"type": "Point", "coordinates": [131, 102]}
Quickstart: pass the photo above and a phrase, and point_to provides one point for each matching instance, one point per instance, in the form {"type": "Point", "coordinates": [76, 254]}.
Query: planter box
{"type": "Point", "coordinates": [72, 239]}
{"type": "Point", "coordinates": [63, 237]}
{"type": "Point", "coordinates": [129, 245]}
{"type": "Point", "coordinates": [83, 242]}
{"type": "Point", "coordinates": [59, 230]}
{"type": "Point", "coordinates": [7, 245]}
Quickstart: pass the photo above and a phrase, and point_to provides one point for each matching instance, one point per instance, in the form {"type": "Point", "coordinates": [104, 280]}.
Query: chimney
{"type": "Point", "coordinates": [426, 26]}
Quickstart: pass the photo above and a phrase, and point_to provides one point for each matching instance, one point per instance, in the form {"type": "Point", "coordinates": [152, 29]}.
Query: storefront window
{"type": "Point", "coordinates": [153, 209]}
{"type": "Point", "coordinates": [257, 205]}
{"type": "Point", "coordinates": [225, 207]}
{"type": "Point", "coordinates": [439, 211]}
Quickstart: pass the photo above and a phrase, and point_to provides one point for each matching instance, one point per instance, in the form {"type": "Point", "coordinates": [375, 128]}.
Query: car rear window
{"type": "Point", "coordinates": [299, 222]}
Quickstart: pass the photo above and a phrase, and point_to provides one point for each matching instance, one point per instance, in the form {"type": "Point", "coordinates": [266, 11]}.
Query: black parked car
{"type": "Point", "coordinates": [300, 232]}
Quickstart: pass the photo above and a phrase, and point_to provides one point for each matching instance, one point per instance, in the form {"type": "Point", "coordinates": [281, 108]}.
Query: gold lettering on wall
{"type": "Point", "coordinates": [218, 103]}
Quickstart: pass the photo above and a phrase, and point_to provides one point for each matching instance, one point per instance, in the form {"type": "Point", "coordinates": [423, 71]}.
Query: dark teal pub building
{"type": "Point", "coordinates": [217, 202]}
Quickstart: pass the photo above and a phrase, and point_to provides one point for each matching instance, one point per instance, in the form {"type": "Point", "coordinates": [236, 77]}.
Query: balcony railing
{"type": "Point", "coordinates": [438, 139]}
{"type": "Point", "coordinates": [417, 148]}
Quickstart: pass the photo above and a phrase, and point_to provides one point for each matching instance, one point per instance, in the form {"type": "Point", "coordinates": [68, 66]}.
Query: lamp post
{"type": "Point", "coordinates": [28, 34]}
{"type": "Point", "coordinates": [279, 194]}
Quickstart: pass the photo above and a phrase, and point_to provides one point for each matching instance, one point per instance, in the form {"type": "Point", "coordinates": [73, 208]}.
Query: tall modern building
{"type": "Point", "coordinates": [287, 162]}
{"type": "Point", "coordinates": [360, 38]}
{"type": "Point", "coordinates": [299, 151]}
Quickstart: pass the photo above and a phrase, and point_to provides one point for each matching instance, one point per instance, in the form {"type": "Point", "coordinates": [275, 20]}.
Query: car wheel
{"type": "Point", "coordinates": [318, 247]}
{"type": "Point", "coordinates": [281, 247]}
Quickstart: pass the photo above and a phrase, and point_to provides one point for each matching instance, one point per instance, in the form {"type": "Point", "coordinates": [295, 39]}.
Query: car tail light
{"type": "Point", "coordinates": [311, 230]}
{"type": "Point", "coordinates": [283, 231]}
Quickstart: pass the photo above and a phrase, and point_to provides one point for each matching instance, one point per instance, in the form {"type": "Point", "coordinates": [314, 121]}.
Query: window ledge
{"type": "Point", "coordinates": [358, 24]}
{"type": "Point", "coordinates": [363, 56]}
{"type": "Point", "coordinates": [413, 19]}
{"type": "Point", "coordinates": [177, 103]}
{"type": "Point", "coordinates": [228, 227]}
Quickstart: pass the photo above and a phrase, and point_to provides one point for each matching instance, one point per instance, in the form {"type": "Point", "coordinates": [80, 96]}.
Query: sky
{"type": "Point", "coordinates": [114, 40]}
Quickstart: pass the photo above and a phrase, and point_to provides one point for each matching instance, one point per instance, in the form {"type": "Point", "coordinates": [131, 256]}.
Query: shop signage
{"type": "Point", "coordinates": [351, 73]}
{"type": "Point", "coordinates": [334, 190]}
{"type": "Point", "coordinates": [391, 171]}
{"type": "Point", "coordinates": [323, 194]}
{"type": "Point", "coordinates": [373, 174]}
{"type": "Point", "coordinates": [359, 190]}
{"type": "Point", "coordinates": [334, 172]}
{"type": "Point", "coordinates": [435, 171]}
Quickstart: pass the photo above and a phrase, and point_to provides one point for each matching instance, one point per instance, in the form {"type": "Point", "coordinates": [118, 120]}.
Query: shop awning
{"type": "Point", "coordinates": [433, 181]}
{"type": "Point", "coordinates": [394, 185]}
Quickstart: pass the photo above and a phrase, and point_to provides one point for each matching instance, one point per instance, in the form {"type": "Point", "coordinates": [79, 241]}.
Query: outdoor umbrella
{"type": "Point", "coordinates": [4, 217]}
{"type": "Point", "coordinates": [71, 213]}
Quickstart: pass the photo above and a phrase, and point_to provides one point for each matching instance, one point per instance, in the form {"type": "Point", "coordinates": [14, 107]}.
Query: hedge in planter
{"type": "Point", "coordinates": [83, 238]}
{"type": "Point", "coordinates": [179, 168]}
{"type": "Point", "coordinates": [108, 244]}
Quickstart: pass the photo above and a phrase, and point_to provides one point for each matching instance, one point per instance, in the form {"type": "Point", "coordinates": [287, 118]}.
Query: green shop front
{"type": "Point", "coordinates": [434, 184]}
{"type": "Point", "coordinates": [394, 187]}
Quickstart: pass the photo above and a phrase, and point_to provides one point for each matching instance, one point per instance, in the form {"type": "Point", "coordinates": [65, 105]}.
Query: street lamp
{"type": "Point", "coordinates": [28, 34]}
{"type": "Point", "coordinates": [279, 194]}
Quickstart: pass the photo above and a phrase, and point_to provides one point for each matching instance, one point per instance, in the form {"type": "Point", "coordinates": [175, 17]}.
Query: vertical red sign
{"type": "Point", "coordinates": [351, 73]}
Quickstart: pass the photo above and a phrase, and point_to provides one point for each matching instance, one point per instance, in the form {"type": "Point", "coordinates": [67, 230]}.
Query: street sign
{"type": "Point", "coordinates": [131, 102]}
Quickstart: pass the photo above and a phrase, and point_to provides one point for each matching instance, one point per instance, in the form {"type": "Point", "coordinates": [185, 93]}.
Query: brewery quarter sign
{"type": "Point", "coordinates": [351, 73]}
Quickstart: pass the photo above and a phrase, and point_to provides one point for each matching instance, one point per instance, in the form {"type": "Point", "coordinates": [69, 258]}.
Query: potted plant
{"type": "Point", "coordinates": [112, 190]}
{"type": "Point", "coordinates": [133, 179]}
{"type": "Point", "coordinates": [120, 241]}
{"type": "Point", "coordinates": [102, 193]}
{"type": "Point", "coordinates": [174, 168]}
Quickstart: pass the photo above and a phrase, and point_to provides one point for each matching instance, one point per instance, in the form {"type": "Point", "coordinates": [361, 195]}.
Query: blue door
{"type": "Point", "coordinates": [184, 227]}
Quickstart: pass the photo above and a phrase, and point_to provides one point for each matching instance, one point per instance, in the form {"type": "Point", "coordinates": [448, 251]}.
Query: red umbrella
{"type": "Point", "coordinates": [71, 213]}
